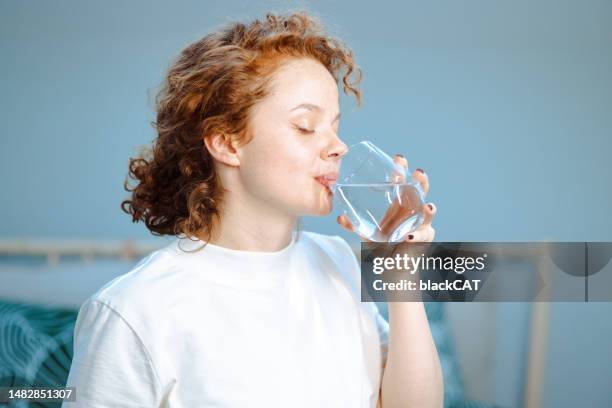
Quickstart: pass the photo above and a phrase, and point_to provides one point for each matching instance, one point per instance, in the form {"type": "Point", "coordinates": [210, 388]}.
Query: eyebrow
{"type": "Point", "coordinates": [311, 107]}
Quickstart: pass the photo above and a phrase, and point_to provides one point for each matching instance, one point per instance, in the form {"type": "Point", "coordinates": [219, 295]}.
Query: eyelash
{"type": "Point", "coordinates": [304, 131]}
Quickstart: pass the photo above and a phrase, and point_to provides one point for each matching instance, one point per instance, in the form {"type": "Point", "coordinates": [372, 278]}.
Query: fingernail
{"type": "Point", "coordinates": [410, 236]}
{"type": "Point", "coordinates": [400, 155]}
{"type": "Point", "coordinates": [421, 170]}
{"type": "Point", "coordinates": [430, 207]}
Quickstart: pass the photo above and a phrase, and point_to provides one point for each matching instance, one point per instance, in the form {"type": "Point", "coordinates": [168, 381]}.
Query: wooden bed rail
{"type": "Point", "coordinates": [88, 250]}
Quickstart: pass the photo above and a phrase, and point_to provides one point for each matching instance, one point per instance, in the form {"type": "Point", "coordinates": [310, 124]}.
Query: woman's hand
{"type": "Point", "coordinates": [413, 374]}
{"type": "Point", "coordinates": [396, 213]}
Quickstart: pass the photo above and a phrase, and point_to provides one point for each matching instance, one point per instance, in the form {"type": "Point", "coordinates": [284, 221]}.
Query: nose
{"type": "Point", "coordinates": [335, 151]}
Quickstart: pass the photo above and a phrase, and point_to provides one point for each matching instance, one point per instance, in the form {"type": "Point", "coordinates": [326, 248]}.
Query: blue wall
{"type": "Point", "coordinates": [506, 105]}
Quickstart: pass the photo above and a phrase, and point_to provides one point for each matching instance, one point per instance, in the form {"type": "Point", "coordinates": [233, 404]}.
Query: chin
{"type": "Point", "coordinates": [322, 207]}
{"type": "Point", "coordinates": [318, 203]}
{"type": "Point", "coordinates": [322, 211]}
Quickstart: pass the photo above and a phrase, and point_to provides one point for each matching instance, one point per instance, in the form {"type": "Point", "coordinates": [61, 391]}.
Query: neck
{"type": "Point", "coordinates": [248, 225]}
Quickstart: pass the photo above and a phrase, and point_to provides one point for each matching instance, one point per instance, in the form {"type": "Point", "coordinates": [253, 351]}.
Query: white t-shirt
{"type": "Point", "coordinates": [229, 328]}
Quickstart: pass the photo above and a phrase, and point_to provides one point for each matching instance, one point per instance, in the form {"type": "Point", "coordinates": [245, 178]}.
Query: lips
{"type": "Point", "coordinates": [327, 179]}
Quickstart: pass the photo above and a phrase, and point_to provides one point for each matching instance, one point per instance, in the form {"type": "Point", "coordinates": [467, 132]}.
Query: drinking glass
{"type": "Point", "coordinates": [376, 196]}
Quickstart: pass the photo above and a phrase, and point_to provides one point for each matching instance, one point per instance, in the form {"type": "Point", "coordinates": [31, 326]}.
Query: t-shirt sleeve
{"type": "Point", "coordinates": [110, 366]}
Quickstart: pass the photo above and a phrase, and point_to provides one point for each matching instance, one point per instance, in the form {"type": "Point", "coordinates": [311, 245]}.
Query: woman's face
{"type": "Point", "coordinates": [294, 154]}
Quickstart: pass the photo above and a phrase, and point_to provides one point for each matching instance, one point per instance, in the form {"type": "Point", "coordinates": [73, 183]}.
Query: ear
{"type": "Point", "coordinates": [222, 148]}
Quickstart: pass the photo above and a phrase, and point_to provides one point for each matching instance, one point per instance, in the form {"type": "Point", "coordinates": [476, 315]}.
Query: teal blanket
{"type": "Point", "coordinates": [35, 346]}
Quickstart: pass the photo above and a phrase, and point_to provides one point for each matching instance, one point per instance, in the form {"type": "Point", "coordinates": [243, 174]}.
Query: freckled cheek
{"type": "Point", "coordinates": [283, 160]}
{"type": "Point", "coordinates": [288, 171]}
{"type": "Point", "coordinates": [267, 171]}
{"type": "Point", "coordinates": [289, 159]}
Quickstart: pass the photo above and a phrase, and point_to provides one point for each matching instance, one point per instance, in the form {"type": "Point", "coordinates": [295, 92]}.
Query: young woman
{"type": "Point", "coordinates": [240, 311]}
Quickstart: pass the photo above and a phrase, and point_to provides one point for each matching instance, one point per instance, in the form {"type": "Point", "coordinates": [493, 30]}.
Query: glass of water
{"type": "Point", "coordinates": [375, 194]}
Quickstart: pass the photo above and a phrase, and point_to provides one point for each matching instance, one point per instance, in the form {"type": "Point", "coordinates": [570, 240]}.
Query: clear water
{"type": "Point", "coordinates": [381, 212]}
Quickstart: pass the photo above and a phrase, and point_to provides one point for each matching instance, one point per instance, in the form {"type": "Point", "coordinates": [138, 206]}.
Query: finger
{"type": "Point", "coordinates": [405, 204]}
{"type": "Point", "coordinates": [347, 225]}
{"type": "Point", "coordinates": [422, 177]}
{"type": "Point", "coordinates": [401, 160]}
{"type": "Point", "coordinates": [426, 234]}
{"type": "Point", "coordinates": [398, 177]}
{"type": "Point", "coordinates": [429, 211]}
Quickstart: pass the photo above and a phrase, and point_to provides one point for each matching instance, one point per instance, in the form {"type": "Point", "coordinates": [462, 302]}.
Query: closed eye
{"type": "Point", "coordinates": [303, 130]}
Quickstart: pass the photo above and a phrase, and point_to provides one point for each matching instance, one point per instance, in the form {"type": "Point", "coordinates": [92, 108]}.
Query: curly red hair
{"type": "Point", "coordinates": [210, 89]}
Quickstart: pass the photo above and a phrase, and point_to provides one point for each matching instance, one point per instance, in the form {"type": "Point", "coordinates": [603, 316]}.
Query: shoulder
{"type": "Point", "coordinates": [139, 302]}
{"type": "Point", "coordinates": [339, 254]}
{"type": "Point", "coordinates": [144, 286]}
{"type": "Point", "coordinates": [335, 245]}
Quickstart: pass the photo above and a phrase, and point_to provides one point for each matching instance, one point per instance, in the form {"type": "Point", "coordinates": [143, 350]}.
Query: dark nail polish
{"type": "Point", "coordinates": [410, 236]}
{"type": "Point", "coordinates": [400, 155]}
{"type": "Point", "coordinates": [430, 207]}
{"type": "Point", "coordinates": [421, 170]}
